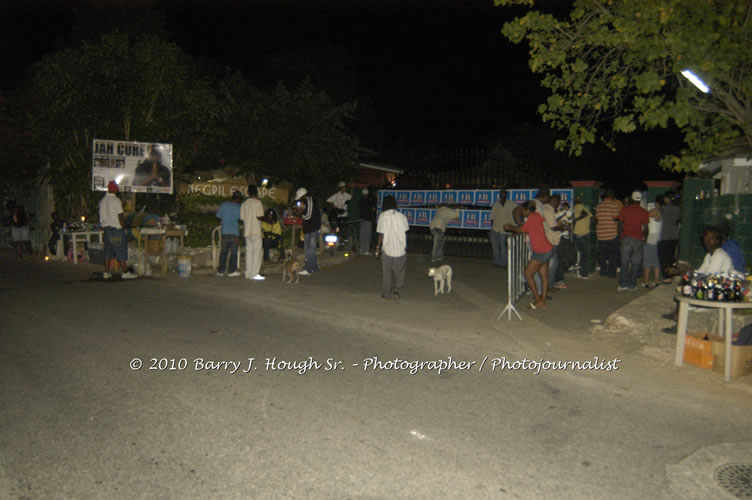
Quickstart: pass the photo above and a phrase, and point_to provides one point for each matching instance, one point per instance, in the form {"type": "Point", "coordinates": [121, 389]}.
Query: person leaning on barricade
{"type": "Point", "coordinates": [541, 248]}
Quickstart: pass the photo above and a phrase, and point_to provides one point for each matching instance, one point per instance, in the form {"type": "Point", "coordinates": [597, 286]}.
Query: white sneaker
{"type": "Point", "coordinates": [129, 276]}
{"type": "Point", "coordinates": [234, 275]}
{"type": "Point", "coordinates": [304, 273]}
{"type": "Point", "coordinates": [221, 275]}
{"type": "Point", "coordinates": [106, 276]}
{"type": "Point", "coordinates": [258, 277]}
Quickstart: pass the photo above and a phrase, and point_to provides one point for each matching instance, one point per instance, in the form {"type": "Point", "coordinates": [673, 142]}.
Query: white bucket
{"type": "Point", "coordinates": [184, 266]}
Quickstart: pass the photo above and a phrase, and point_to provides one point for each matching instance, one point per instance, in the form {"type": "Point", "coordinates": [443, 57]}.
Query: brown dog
{"type": "Point", "coordinates": [290, 269]}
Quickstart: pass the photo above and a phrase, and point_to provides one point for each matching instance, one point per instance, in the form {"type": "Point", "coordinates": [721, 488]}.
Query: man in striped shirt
{"type": "Point", "coordinates": [607, 231]}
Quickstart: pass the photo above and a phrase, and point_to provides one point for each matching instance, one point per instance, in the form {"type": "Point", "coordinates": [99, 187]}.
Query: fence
{"type": "Point", "coordinates": [518, 254]}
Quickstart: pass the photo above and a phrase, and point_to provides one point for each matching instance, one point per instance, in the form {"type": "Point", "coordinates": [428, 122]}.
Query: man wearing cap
{"type": "Point", "coordinates": [252, 213]}
{"type": "Point", "coordinates": [339, 201]}
{"type": "Point", "coordinates": [633, 227]}
{"type": "Point", "coordinates": [229, 215]}
{"type": "Point", "coordinates": [311, 228]}
{"type": "Point", "coordinates": [112, 220]}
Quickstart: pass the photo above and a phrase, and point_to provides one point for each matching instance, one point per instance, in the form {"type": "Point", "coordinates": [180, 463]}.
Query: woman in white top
{"type": "Point", "coordinates": [650, 260]}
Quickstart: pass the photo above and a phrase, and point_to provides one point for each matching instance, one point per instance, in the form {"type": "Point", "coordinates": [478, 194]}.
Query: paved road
{"type": "Point", "coordinates": [78, 422]}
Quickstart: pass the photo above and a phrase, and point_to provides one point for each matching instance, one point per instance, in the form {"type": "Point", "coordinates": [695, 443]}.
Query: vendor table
{"type": "Point", "coordinates": [146, 234]}
{"type": "Point", "coordinates": [79, 237]}
{"type": "Point", "coordinates": [725, 311]}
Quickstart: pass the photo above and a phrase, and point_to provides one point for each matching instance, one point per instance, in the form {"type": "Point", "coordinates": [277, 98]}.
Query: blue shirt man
{"type": "Point", "coordinates": [229, 215]}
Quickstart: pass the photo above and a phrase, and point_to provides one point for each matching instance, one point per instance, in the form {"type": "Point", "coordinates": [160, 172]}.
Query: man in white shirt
{"type": "Point", "coordinates": [391, 228]}
{"type": "Point", "coordinates": [112, 220]}
{"type": "Point", "coordinates": [716, 260]}
{"type": "Point", "coordinates": [252, 213]}
{"type": "Point", "coordinates": [438, 228]}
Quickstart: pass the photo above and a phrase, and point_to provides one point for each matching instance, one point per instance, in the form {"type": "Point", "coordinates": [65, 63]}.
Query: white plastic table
{"type": "Point", "coordinates": [725, 311]}
{"type": "Point", "coordinates": [83, 237]}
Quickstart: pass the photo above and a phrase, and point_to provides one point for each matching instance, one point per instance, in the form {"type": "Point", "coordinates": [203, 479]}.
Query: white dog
{"type": "Point", "coordinates": [440, 275]}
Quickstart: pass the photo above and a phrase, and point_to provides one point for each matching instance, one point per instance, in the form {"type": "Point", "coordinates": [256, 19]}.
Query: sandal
{"type": "Point", "coordinates": [532, 306]}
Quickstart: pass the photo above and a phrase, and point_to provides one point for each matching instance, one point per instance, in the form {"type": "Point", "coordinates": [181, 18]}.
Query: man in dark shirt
{"type": "Point", "coordinates": [669, 238]}
{"type": "Point", "coordinates": [311, 228]}
{"type": "Point", "coordinates": [366, 216]}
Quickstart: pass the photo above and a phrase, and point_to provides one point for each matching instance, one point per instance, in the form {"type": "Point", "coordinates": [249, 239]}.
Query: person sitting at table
{"type": "Point", "coordinates": [716, 261]}
{"type": "Point", "coordinates": [272, 232]}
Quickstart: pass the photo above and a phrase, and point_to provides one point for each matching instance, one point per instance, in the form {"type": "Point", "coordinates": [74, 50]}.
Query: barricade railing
{"type": "Point", "coordinates": [518, 254]}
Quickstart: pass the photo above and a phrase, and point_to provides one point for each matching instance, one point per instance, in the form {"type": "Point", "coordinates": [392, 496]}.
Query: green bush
{"type": "Point", "coordinates": [199, 228]}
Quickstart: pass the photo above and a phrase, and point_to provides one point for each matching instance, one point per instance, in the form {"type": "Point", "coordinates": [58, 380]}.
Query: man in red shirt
{"type": "Point", "coordinates": [541, 248]}
{"type": "Point", "coordinates": [633, 227]}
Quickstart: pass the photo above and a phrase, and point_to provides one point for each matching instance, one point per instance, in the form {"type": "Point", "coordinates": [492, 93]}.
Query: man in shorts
{"type": "Point", "coordinates": [112, 220]}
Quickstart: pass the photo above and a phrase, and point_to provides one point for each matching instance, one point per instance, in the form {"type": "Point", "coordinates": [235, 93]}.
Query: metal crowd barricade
{"type": "Point", "coordinates": [518, 254]}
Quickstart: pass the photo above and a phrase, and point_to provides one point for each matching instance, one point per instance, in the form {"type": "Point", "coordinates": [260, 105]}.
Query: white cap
{"type": "Point", "coordinates": [364, 192]}
{"type": "Point", "coordinates": [300, 193]}
{"type": "Point", "coordinates": [637, 196]}
{"type": "Point", "coordinates": [342, 184]}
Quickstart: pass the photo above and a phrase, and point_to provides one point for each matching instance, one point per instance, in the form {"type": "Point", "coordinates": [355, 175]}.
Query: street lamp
{"type": "Point", "coordinates": [695, 81]}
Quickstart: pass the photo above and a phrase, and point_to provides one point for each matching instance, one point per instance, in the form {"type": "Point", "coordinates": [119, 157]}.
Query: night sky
{"type": "Point", "coordinates": [434, 72]}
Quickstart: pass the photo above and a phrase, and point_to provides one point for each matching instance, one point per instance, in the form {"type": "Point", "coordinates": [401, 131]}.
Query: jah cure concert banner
{"type": "Point", "coordinates": [140, 167]}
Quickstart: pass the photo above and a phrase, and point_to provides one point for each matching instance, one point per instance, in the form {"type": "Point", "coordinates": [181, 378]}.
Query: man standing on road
{"type": "Point", "coordinates": [438, 227]}
{"type": "Point", "coordinates": [607, 231]}
{"type": "Point", "coordinates": [229, 215]}
{"type": "Point", "coordinates": [366, 216]}
{"type": "Point", "coordinates": [311, 228]}
{"type": "Point", "coordinates": [112, 220]}
{"type": "Point", "coordinates": [633, 222]}
{"type": "Point", "coordinates": [391, 227]}
{"type": "Point", "coordinates": [581, 234]}
{"type": "Point", "coordinates": [252, 213]}
{"type": "Point", "coordinates": [553, 233]}
{"type": "Point", "coordinates": [501, 215]}
{"type": "Point", "coordinates": [669, 238]}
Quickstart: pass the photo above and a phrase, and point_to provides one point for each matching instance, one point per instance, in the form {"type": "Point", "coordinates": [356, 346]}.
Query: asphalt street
{"type": "Point", "coordinates": [80, 421]}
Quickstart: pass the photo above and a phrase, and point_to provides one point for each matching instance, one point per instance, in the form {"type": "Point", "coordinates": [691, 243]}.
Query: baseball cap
{"type": "Point", "coordinates": [342, 184]}
{"type": "Point", "coordinates": [300, 193]}
{"type": "Point", "coordinates": [637, 196]}
{"type": "Point", "coordinates": [113, 187]}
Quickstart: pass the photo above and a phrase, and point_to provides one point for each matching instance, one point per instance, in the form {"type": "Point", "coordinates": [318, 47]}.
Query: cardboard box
{"type": "Point", "coordinates": [741, 357]}
{"type": "Point", "coordinates": [697, 351]}
{"type": "Point", "coordinates": [154, 246]}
